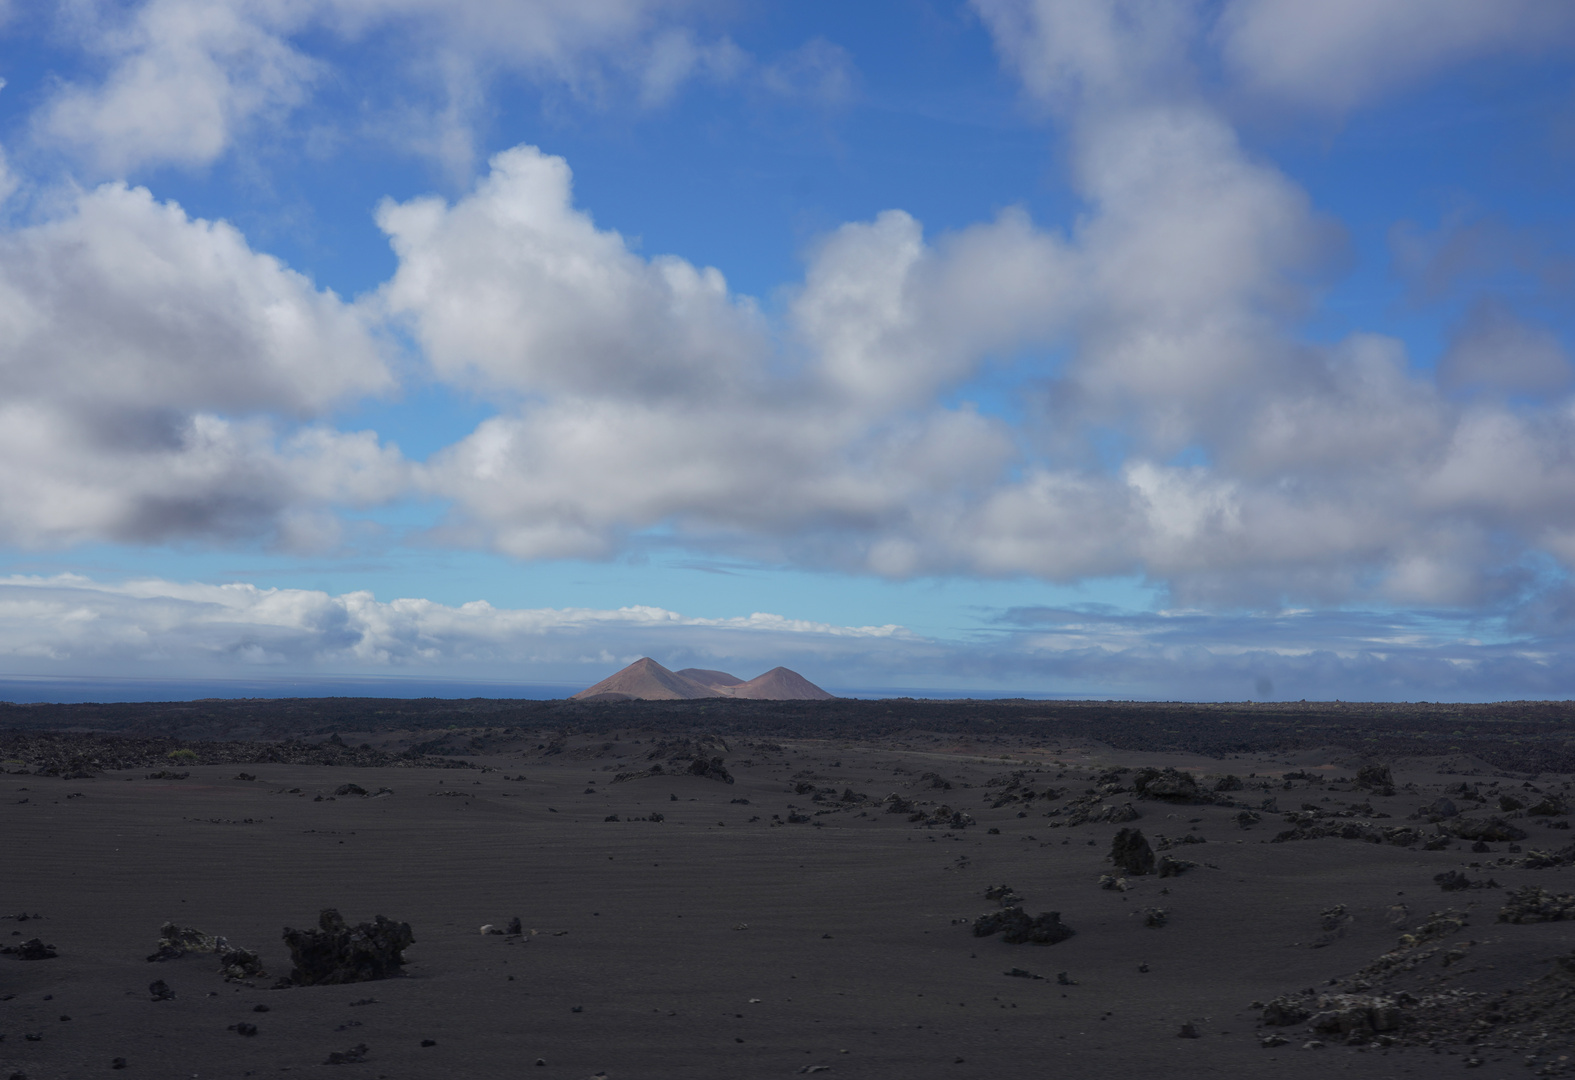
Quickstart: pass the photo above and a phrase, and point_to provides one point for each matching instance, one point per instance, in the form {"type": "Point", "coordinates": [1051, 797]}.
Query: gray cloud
{"type": "Point", "coordinates": [1338, 54]}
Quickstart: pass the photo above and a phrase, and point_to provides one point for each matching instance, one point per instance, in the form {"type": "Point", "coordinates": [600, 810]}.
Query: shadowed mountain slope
{"type": "Point", "coordinates": [646, 680]}
{"type": "Point", "coordinates": [706, 677]}
{"type": "Point", "coordinates": [779, 684]}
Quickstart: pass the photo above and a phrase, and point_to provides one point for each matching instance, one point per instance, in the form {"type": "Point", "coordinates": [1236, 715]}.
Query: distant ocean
{"type": "Point", "coordinates": [29, 690]}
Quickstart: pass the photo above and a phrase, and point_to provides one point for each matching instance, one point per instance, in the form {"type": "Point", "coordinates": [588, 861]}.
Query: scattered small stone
{"type": "Point", "coordinates": [1455, 880]}
{"type": "Point", "coordinates": [117, 1063]}
{"type": "Point", "coordinates": [353, 1056]}
{"type": "Point", "coordinates": [1188, 1030]}
{"type": "Point", "coordinates": [1020, 973]}
{"type": "Point", "coordinates": [1155, 917]}
{"type": "Point", "coordinates": [433, 1042]}
{"type": "Point", "coordinates": [1062, 979]}
{"type": "Point", "coordinates": [159, 990]}
{"type": "Point", "coordinates": [247, 1030]}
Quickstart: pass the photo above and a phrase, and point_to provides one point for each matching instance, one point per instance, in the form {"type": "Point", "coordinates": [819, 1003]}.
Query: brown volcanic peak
{"type": "Point", "coordinates": [715, 679]}
{"type": "Point", "coordinates": [647, 680]}
{"type": "Point", "coordinates": [779, 684]}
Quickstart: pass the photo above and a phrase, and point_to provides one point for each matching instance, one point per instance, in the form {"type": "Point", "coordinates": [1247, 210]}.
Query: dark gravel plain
{"type": "Point", "coordinates": [770, 889]}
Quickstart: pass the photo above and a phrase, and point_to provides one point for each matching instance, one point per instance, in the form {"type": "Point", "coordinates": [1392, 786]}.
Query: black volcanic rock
{"type": "Point", "coordinates": [1004, 895]}
{"type": "Point", "coordinates": [711, 769]}
{"type": "Point", "coordinates": [1168, 785]}
{"type": "Point", "coordinates": [35, 949]}
{"type": "Point", "coordinates": [176, 941]}
{"type": "Point", "coordinates": [235, 963]}
{"type": "Point", "coordinates": [1017, 928]}
{"type": "Point", "coordinates": [339, 953]}
{"type": "Point", "coordinates": [1376, 778]}
{"type": "Point", "coordinates": [1486, 830]}
{"type": "Point", "coordinates": [1534, 904]}
{"type": "Point", "coordinates": [1131, 853]}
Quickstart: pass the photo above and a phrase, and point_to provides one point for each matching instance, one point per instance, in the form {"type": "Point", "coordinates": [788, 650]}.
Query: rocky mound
{"type": "Point", "coordinates": [696, 757]}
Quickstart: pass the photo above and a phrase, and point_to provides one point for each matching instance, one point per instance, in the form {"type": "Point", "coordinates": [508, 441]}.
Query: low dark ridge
{"type": "Point", "coordinates": [1525, 736]}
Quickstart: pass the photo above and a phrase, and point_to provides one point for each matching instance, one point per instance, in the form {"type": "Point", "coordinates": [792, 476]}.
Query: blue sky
{"type": "Point", "coordinates": [1196, 350]}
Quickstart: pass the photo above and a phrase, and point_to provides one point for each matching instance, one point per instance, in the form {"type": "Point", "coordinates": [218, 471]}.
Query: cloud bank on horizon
{"type": "Point", "coordinates": [1329, 430]}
